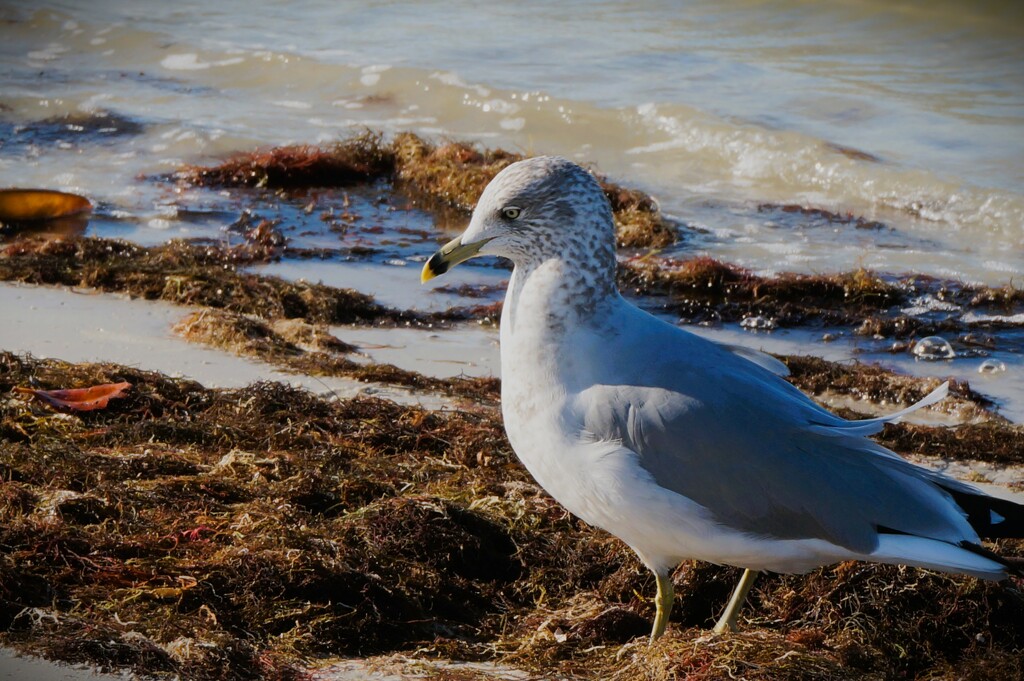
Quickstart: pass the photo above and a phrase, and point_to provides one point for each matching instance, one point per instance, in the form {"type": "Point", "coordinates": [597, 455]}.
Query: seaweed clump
{"type": "Point", "coordinates": [250, 533]}
{"type": "Point", "coordinates": [878, 385]}
{"type": "Point", "coordinates": [822, 215]}
{"type": "Point", "coordinates": [360, 159]}
{"type": "Point", "coordinates": [705, 290]}
{"type": "Point", "coordinates": [638, 220]}
{"type": "Point", "coordinates": [454, 173]}
{"type": "Point", "coordinates": [992, 441]}
{"type": "Point", "coordinates": [450, 176]}
{"type": "Point", "coordinates": [186, 273]}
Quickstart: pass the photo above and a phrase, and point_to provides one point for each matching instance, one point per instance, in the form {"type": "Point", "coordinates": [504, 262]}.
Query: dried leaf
{"type": "Point", "coordinates": [78, 399]}
{"type": "Point", "coordinates": [30, 205]}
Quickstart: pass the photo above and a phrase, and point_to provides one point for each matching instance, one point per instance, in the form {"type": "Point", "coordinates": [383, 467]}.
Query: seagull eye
{"type": "Point", "coordinates": [511, 212]}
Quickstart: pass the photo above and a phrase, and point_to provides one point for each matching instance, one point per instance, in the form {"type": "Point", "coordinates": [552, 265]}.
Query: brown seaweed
{"type": "Point", "coordinates": [248, 533]}
{"type": "Point", "coordinates": [450, 175]}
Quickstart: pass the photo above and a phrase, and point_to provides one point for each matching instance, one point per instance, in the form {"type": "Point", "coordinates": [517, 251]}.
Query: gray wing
{"type": "Point", "coordinates": [764, 460]}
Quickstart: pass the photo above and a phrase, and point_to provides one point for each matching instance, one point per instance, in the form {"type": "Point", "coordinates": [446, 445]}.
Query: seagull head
{"type": "Point", "coordinates": [534, 210]}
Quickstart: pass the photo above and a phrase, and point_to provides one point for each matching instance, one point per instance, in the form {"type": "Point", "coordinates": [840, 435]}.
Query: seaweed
{"type": "Point", "coordinates": [449, 177]}
{"type": "Point", "coordinates": [875, 384]}
{"type": "Point", "coordinates": [638, 220]}
{"type": "Point", "coordinates": [251, 533]}
{"type": "Point", "coordinates": [821, 215]}
{"type": "Point", "coordinates": [980, 435]}
{"type": "Point", "coordinates": [187, 273]}
{"type": "Point", "coordinates": [444, 176]}
{"type": "Point", "coordinates": [705, 290]}
{"type": "Point", "coordinates": [454, 173]}
{"type": "Point", "coordinates": [207, 532]}
{"type": "Point", "coordinates": [308, 349]}
{"type": "Point", "coordinates": [357, 160]}
{"type": "Point", "coordinates": [700, 289]}
{"type": "Point", "coordinates": [993, 442]}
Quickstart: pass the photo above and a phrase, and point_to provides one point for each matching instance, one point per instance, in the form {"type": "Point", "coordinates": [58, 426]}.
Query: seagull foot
{"type": "Point", "coordinates": [725, 626]}
{"type": "Point", "coordinates": [727, 623]}
{"type": "Point", "coordinates": [663, 605]}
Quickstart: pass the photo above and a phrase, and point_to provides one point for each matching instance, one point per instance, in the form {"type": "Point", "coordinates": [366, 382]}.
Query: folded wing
{"type": "Point", "coordinates": [765, 460]}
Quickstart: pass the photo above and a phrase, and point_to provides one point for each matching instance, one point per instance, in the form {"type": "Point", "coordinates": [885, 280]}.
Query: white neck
{"type": "Point", "coordinates": [544, 302]}
{"type": "Point", "coordinates": [543, 297]}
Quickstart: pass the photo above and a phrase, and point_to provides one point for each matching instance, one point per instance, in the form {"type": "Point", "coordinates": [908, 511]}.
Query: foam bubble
{"type": "Point", "coordinates": [187, 61]}
{"type": "Point", "coordinates": [992, 366]}
{"type": "Point", "coordinates": [758, 323]}
{"type": "Point", "coordinates": [292, 104]}
{"type": "Point", "coordinates": [49, 53]}
{"type": "Point", "coordinates": [933, 348]}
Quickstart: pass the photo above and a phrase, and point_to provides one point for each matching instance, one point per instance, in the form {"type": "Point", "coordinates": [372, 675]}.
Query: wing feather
{"type": "Point", "coordinates": [765, 459]}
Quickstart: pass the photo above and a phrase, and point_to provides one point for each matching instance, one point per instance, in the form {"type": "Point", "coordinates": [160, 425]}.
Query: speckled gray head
{"type": "Point", "coordinates": [533, 210]}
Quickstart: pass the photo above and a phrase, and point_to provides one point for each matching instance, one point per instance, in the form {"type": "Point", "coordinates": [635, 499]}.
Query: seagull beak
{"type": "Point", "coordinates": [450, 255]}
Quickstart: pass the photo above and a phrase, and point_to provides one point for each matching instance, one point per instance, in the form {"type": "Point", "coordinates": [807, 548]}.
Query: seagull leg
{"type": "Point", "coordinates": [727, 622]}
{"type": "Point", "coordinates": [663, 603]}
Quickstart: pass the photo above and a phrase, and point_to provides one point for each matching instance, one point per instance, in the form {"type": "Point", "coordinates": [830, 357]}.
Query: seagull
{"type": "Point", "coordinates": [682, 447]}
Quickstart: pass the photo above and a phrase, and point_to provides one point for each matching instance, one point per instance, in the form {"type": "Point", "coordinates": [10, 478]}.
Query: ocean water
{"type": "Point", "coordinates": [906, 113]}
{"type": "Point", "coordinates": [715, 107]}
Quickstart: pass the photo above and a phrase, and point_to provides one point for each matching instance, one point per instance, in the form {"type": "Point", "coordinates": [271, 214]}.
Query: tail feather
{"type": "Point", "coordinates": [934, 554]}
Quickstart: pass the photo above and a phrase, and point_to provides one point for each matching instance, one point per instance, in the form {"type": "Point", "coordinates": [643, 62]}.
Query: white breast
{"type": "Point", "coordinates": [599, 482]}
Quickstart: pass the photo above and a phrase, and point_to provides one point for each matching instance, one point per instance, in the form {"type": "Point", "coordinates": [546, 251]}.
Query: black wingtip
{"type": "Point", "coordinates": [991, 517]}
{"type": "Point", "coordinates": [1014, 566]}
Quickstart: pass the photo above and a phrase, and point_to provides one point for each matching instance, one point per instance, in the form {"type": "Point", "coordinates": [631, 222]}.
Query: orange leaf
{"type": "Point", "coordinates": [78, 399]}
{"type": "Point", "coordinates": [28, 205]}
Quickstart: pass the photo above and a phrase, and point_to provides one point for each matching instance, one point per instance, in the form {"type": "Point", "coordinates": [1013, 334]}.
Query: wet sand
{"type": "Point", "coordinates": [15, 667]}
{"type": "Point", "coordinates": [89, 326]}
